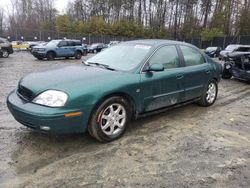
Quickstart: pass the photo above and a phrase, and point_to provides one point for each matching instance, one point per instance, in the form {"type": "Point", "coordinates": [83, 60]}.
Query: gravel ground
{"type": "Point", "coordinates": [187, 147]}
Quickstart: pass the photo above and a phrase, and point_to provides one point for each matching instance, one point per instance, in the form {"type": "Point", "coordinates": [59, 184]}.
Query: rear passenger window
{"type": "Point", "coordinates": [192, 56]}
{"type": "Point", "coordinates": [167, 56]}
{"type": "Point", "coordinates": [78, 43]}
{"type": "Point", "coordinates": [70, 43]}
{"type": "Point", "coordinates": [63, 43]}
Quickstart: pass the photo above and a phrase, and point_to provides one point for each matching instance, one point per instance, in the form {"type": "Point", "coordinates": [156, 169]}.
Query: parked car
{"type": "Point", "coordinates": [6, 47]}
{"type": "Point", "coordinates": [237, 66]}
{"type": "Point", "coordinates": [213, 51]}
{"type": "Point", "coordinates": [96, 47]}
{"type": "Point", "coordinates": [127, 81]}
{"type": "Point", "coordinates": [234, 49]}
{"type": "Point", "coordinates": [112, 43]}
{"type": "Point", "coordinates": [20, 45]}
{"type": "Point", "coordinates": [59, 48]}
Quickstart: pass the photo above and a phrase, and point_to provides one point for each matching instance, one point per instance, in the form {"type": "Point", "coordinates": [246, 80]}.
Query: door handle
{"type": "Point", "coordinates": [178, 77]}
{"type": "Point", "coordinates": [207, 71]}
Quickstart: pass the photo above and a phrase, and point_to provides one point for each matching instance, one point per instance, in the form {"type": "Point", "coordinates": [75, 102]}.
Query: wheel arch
{"type": "Point", "coordinates": [124, 95]}
{"type": "Point", "coordinates": [52, 52]}
{"type": "Point", "coordinates": [78, 50]}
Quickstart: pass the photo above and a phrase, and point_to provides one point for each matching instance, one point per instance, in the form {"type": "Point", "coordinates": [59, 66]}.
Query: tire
{"type": "Point", "coordinates": [210, 95]}
{"type": "Point", "coordinates": [40, 58]}
{"type": "Point", "coordinates": [5, 54]}
{"type": "Point", "coordinates": [78, 55]}
{"type": "Point", "coordinates": [105, 128]}
{"type": "Point", "coordinates": [51, 56]}
{"type": "Point", "coordinates": [95, 51]}
{"type": "Point", "coordinates": [226, 74]}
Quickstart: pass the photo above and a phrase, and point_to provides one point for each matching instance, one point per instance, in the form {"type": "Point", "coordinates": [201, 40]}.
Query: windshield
{"type": "Point", "coordinates": [211, 48]}
{"type": "Point", "coordinates": [231, 47]}
{"type": "Point", "coordinates": [121, 57]}
{"type": "Point", "coordinates": [53, 42]}
{"type": "Point", "coordinates": [94, 45]}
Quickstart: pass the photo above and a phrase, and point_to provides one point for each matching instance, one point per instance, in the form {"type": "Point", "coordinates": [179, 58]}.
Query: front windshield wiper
{"type": "Point", "coordinates": [100, 65]}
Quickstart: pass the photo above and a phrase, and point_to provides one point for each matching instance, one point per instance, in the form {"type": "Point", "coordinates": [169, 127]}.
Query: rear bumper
{"type": "Point", "coordinates": [46, 119]}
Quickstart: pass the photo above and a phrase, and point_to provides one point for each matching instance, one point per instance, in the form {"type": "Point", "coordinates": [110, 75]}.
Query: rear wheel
{"type": "Point", "coordinates": [209, 96]}
{"type": "Point", "coordinates": [78, 55]}
{"type": "Point", "coordinates": [40, 58]}
{"type": "Point", "coordinates": [110, 119]}
{"type": "Point", "coordinates": [51, 56]}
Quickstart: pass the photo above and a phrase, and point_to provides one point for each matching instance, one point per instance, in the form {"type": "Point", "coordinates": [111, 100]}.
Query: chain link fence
{"type": "Point", "coordinates": [47, 35]}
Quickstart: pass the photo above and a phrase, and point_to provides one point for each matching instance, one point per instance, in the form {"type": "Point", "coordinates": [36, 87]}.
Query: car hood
{"type": "Point", "coordinates": [225, 52]}
{"type": "Point", "coordinates": [70, 79]}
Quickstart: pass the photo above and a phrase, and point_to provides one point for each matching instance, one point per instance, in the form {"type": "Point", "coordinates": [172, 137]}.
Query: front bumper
{"type": "Point", "coordinates": [43, 118]}
{"type": "Point", "coordinates": [39, 54]}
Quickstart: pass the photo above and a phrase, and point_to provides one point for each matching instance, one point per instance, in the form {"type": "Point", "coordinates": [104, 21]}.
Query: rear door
{"type": "Point", "coordinates": [71, 48]}
{"type": "Point", "coordinates": [196, 72]}
{"type": "Point", "coordinates": [165, 88]}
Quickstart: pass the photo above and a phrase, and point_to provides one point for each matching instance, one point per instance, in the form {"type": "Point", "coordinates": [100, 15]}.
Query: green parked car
{"type": "Point", "coordinates": [124, 82]}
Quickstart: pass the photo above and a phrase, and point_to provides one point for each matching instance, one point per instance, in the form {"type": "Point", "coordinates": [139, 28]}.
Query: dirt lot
{"type": "Point", "coordinates": [186, 147]}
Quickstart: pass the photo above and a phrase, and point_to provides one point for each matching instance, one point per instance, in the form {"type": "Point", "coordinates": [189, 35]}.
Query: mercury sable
{"type": "Point", "coordinates": [122, 83]}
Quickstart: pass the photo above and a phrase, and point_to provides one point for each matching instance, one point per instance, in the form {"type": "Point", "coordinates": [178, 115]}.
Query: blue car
{"type": "Point", "coordinates": [60, 48]}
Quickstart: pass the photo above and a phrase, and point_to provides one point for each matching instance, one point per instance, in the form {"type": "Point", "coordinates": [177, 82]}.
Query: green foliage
{"type": "Point", "coordinates": [209, 34]}
{"type": "Point", "coordinates": [63, 24]}
{"type": "Point", "coordinates": [98, 26]}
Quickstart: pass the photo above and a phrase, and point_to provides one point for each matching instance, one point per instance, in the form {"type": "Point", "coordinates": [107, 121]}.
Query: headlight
{"type": "Point", "coordinates": [51, 98]}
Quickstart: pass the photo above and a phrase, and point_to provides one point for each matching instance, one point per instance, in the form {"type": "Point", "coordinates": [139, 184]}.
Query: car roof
{"type": "Point", "coordinates": [239, 45]}
{"type": "Point", "coordinates": [157, 42]}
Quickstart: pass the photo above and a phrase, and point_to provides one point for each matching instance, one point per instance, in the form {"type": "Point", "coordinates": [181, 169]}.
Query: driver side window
{"type": "Point", "coordinates": [167, 56]}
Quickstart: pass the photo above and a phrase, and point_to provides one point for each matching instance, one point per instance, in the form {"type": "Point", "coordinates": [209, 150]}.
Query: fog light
{"type": "Point", "coordinates": [44, 128]}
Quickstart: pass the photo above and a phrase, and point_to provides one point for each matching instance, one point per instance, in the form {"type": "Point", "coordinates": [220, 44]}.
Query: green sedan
{"type": "Point", "coordinates": [124, 82]}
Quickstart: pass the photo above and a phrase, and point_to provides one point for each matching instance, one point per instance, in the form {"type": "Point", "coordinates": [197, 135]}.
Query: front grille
{"type": "Point", "coordinates": [25, 93]}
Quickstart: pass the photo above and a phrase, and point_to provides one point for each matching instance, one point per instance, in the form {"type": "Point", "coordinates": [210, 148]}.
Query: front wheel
{"type": "Point", "coordinates": [5, 54]}
{"type": "Point", "coordinates": [51, 56]}
{"type": "Point", "coordinates": [226, 74]}
{"type": "Point", "coordinates": [209, 96]}
{"type": "Point", "coordinates": [110, 119]}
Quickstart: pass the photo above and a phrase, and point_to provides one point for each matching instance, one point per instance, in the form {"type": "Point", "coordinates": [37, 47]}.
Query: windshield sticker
{"type": "Point", "coordinates": [146, 47]}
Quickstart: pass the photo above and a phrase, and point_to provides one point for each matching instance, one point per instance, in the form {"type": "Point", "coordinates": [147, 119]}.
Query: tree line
{"type": "Point", "coordinates": [176, 19]}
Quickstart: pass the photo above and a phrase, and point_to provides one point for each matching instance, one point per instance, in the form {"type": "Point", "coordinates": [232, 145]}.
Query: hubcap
{"type": "Point", "coordinates": [5, 53]}
{"type": "Point", "coordinates": [113, 119]}
{"type": "Point", "coordinates": [211, 93]}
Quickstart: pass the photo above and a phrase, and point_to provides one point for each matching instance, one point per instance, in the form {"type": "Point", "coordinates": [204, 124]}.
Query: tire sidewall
{"type": "Point", "coordinates": [96, 117]}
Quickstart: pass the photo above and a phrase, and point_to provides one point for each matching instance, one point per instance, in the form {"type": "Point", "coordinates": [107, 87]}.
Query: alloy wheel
{"type": "Point", "coordinates": [113, 119]}
{"type": "Point", "coordinates": [211, 93]}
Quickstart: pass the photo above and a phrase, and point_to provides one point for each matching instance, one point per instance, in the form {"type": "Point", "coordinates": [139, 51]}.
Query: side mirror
{"type": "Point", "coordinates": [155, 68]}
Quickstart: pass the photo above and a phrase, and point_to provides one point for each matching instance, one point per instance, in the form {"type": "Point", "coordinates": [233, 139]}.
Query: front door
{"type": "Point", "coordinates": [164, 88]}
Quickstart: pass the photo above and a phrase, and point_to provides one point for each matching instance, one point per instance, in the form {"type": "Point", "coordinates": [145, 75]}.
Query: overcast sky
{"type": "Point", "coordinates": [59, 4]}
